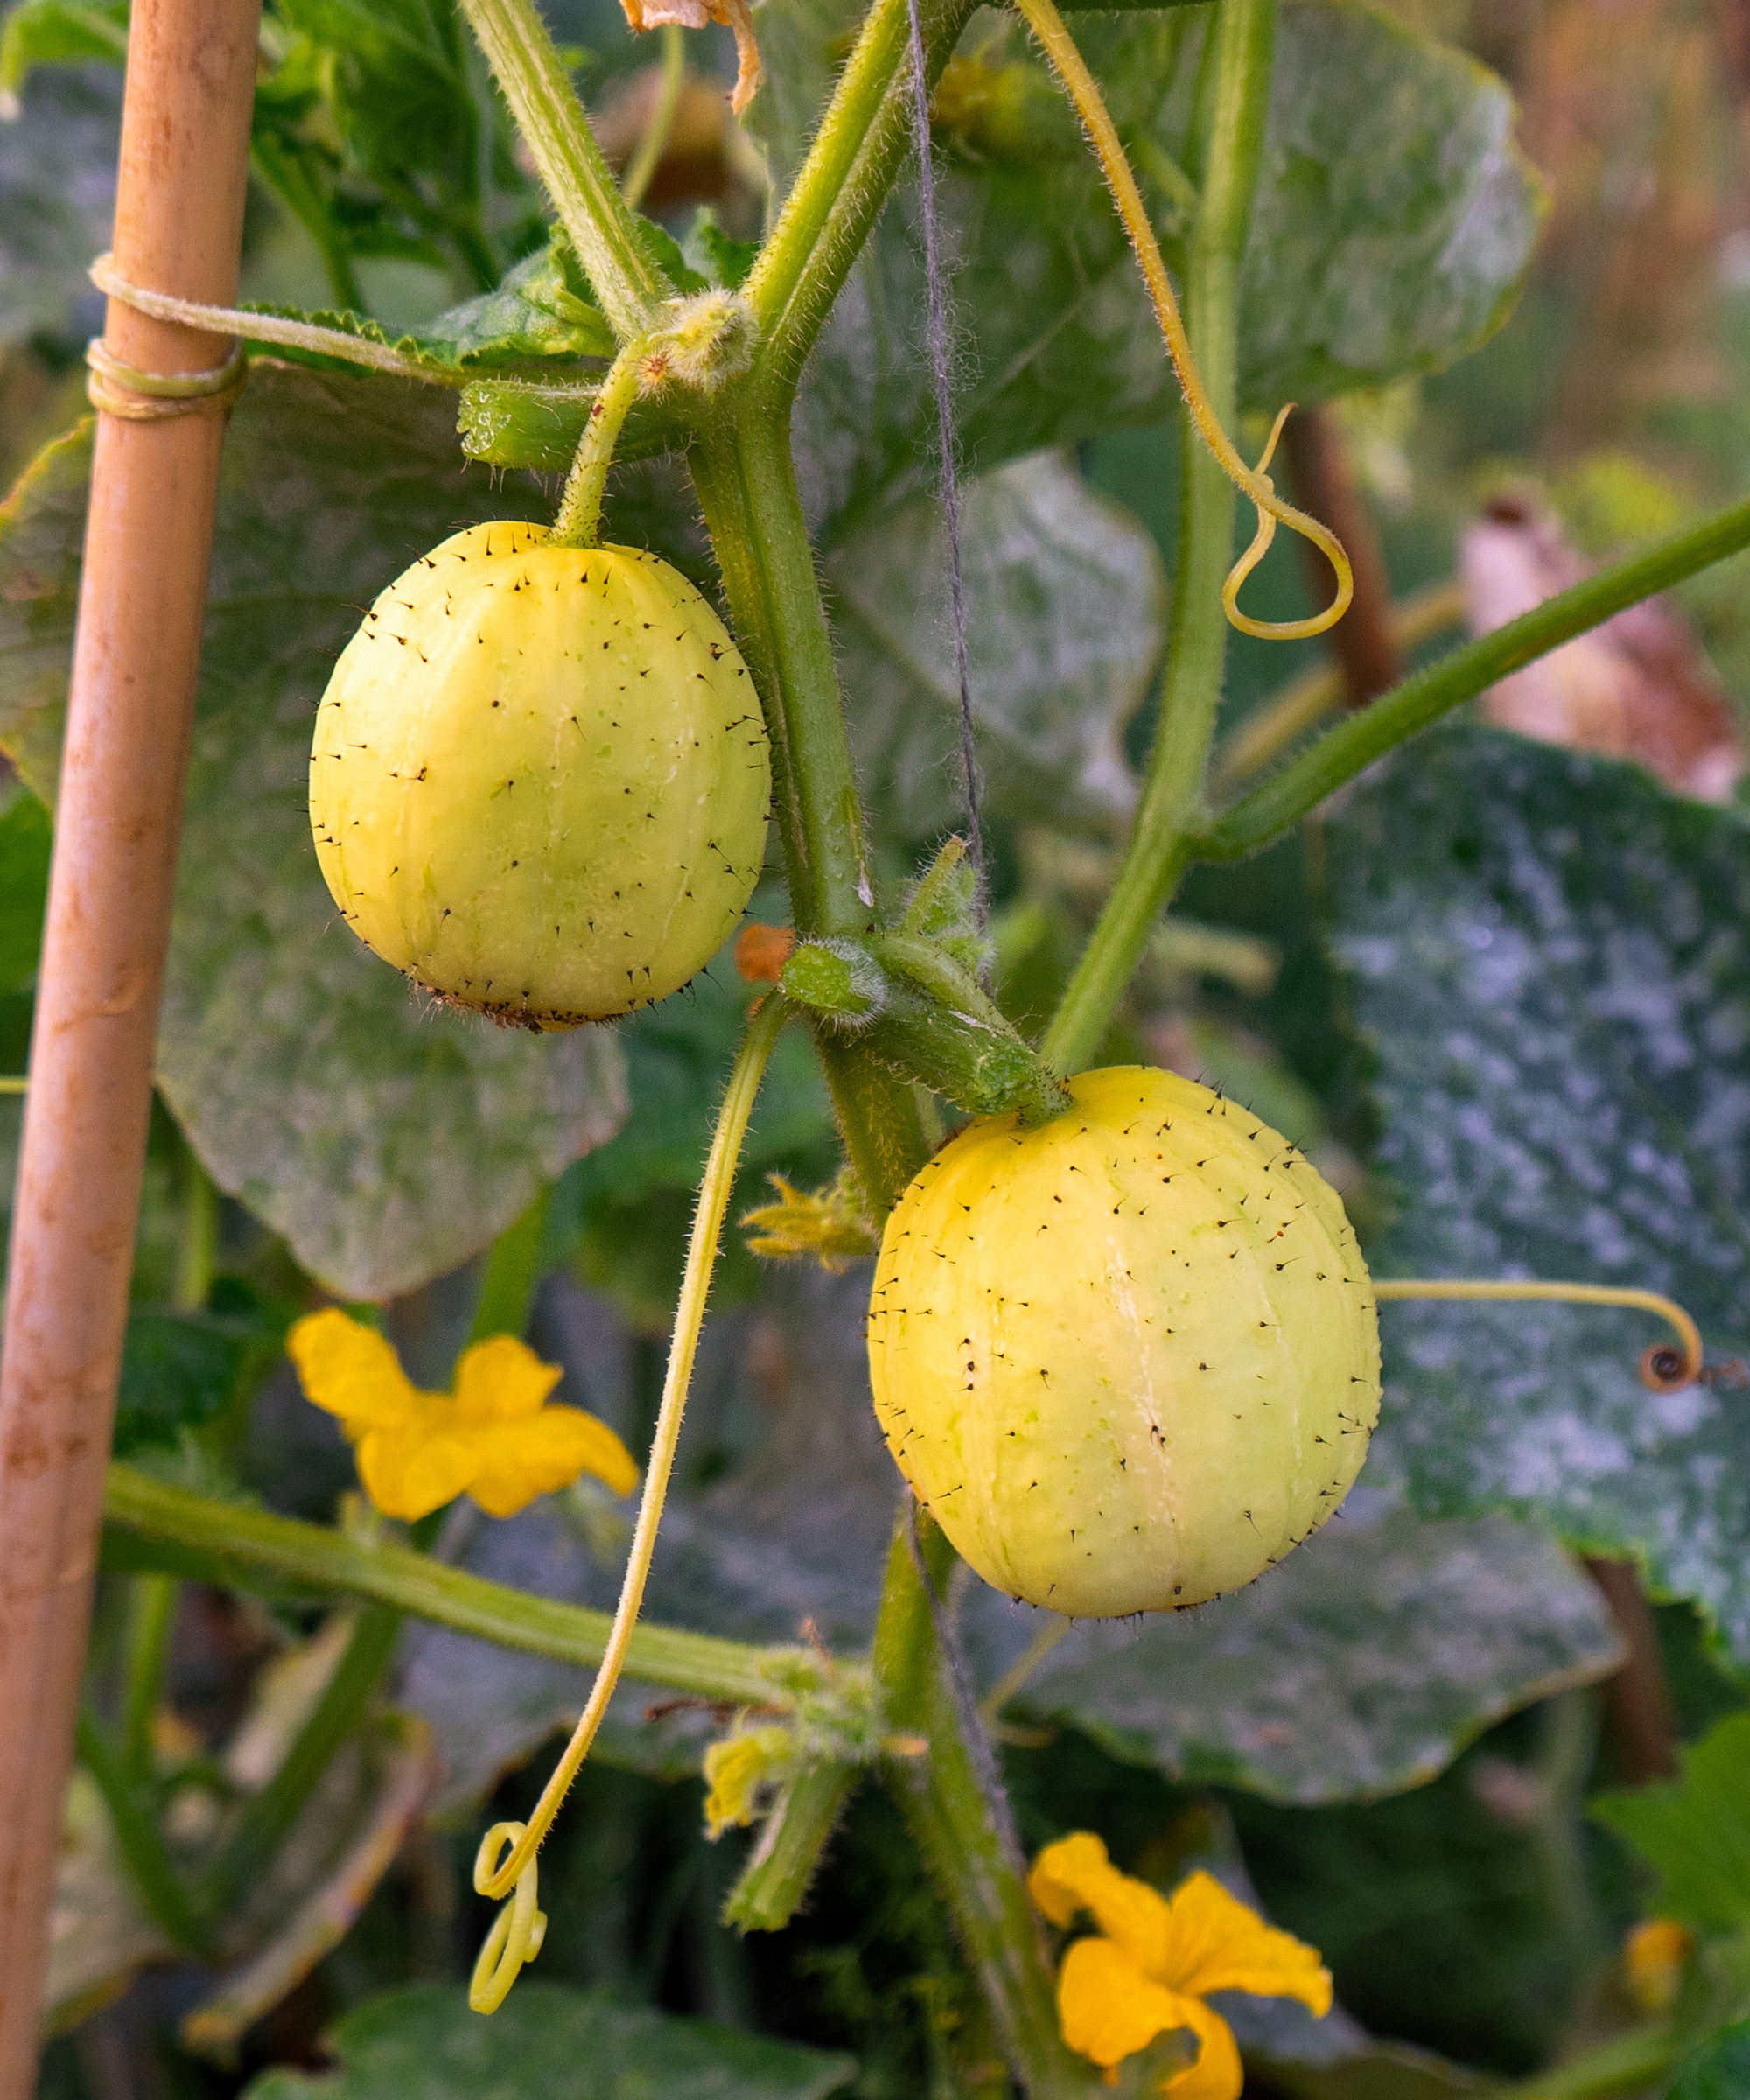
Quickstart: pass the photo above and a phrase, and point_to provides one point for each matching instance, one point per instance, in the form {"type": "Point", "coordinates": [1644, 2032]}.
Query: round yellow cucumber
{"type": "Point", "coordinates": [1127, 1359]}
{"type": "Point", "coordinates": [540, 782]}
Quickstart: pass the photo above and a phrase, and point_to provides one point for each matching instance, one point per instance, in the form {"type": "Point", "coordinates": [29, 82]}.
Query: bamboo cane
{"type": "Point", "coordinates": [179, 221]}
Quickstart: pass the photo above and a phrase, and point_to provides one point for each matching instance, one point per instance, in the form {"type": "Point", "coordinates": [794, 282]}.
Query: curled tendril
{"type": "Point", "coordinates": [1663, 1368]}
{"type": "Point", "coordinates": [1254, 483]}
{"type": "Point", "coordinates": [520, 1927]}
{"type": "Point", "coordinates": [504, 1866]}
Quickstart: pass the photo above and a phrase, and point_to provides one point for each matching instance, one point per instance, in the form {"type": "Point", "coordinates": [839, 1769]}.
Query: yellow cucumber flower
{"type": "Point", "coordinates": [739, 1771]}
{"type": "Point", "coordinates": [494, 1437]}
{"type": "Point", "coordinates": [1155, 1960]}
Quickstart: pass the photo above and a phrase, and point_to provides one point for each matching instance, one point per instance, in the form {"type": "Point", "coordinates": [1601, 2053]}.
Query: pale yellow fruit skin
{"type": "Point", "coordinates": [1129, 1359]}
{"type": "Point", "coordinates": [539, 782]}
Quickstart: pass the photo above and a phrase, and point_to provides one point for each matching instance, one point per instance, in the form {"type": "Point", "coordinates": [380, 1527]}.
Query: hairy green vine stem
{"type": "Point", "coordinates": [240, 1548]}
{"type": "Point", "coordinates": [853, 162]}
{"type": "Point", "coordinates": [1233, 102]}
{"type": "Point", "coordinates": [579, 523]}
{"type": "Point", "coordinates": [962, 1839]}
{"type": "Point", "coordinates": [660, 121]}
{"type": "Point", "coordinates": [620, 269]}
{"type": "Point", "coordinates": [1348, 749]}
{"type": "Point", "coordinates": [515, 1937]}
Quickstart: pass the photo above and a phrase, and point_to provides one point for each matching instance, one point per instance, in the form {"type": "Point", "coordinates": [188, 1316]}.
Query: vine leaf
{"type": "Point", "coordinates": [387, 1140]}
{"type": "Point", "coordinates": [1547, 959]}
{"type": "Point", "coordinates": [1694, 1830]}
{"type": "Point", "coordinates": [1360, 1667]}
{"type": "Point", "coordinates": [423, 2043]}
{"type": "Point", "coordinates": [1065, 617]}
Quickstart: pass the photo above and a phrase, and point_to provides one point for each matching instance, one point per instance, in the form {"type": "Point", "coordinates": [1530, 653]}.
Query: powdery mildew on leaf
{"type": "Point", "coordinates": [1065, 617]}
{"type": "Point", "coordinates": [1550, 959]}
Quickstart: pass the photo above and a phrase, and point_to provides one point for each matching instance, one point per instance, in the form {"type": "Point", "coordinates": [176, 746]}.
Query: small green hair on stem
{"type": "Point", "coordinates": [1078, 82]}
{"type": "Point", "coordinates": [505, 1865]}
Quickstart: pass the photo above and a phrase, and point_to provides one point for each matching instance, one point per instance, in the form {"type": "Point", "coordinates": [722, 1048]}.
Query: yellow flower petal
{"type": "Point", "coordinates": [1218, 2073]}
{"type": "Point", "coordinates": [514, 1461]}
{"type": "Point", "coordinates": [1075, 1874]}
{"type": "Point", "coordinates": [501, 1380]}
{"type": "Point", "coordinates": [1215, 1943]}
{"type": "Point", "coordinates": [350, 1371]}
{"type": "Point", "coordinates": [410, 1470]}
{"type": "Point", "coordinates": [1110, 2008]}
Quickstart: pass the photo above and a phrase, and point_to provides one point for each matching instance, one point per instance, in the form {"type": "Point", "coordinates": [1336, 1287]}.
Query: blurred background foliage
{"type": "Point", "coordinates": [1465, 1742]}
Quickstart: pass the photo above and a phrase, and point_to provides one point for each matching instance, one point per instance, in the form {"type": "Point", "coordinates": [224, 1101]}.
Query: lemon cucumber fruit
{"type": "Point", "coordinates": [540, 781]}
{"type": "Point", "coordinates": [1129, 1358]}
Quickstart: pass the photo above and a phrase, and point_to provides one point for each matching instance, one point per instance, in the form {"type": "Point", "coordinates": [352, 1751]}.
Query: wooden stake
{"type": "Point", "coordinates": [178, 222]}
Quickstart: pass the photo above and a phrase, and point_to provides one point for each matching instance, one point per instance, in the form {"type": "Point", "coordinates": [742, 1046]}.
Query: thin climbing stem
{"type": "Point", "coordinates": [515, 1935]}
{"type": "Point", "coordinates": [579, 523]}
{"type": "Point", "coordinates": [1348, 749]}
{"type": "Point", "coordinates": [151, 1619]}
{"type": "Point", "coordinates": [1668, 1309]}
{"type": "Point", "coordinates": [1234, 99]}
{"type": "Point", "coordinates": [513, 1270]}
{"type": "Point", "coordinates": [1083, 90]}
{"type": "Point", "coordinates": [660, 121]}
{"type": "Point", "coordinates": [852, 165]}
{"type": "Point", "coordinates": [621, 270]}
{"type": "Point", "coordinates": [140, 1841]}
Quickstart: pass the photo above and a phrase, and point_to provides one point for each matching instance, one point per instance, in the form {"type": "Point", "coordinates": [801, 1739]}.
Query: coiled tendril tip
{"type": "Point", "coordinates": [1254, 483]}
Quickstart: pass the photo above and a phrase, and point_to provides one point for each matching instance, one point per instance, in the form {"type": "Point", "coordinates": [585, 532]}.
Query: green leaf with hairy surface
{"type": "Point", "coordinates": [1547, 959]}
{"type": "Point", "coordinates": [540, 312]}
{"type": "Point", "coordinates": [386, 1139]}
{"type": "Point", "coordinates": [1066, 604]}
{"type": "Point", "coordinates": [424, 2043]}
{"type": "Point", "coordinates": [1394, 218]}
{"type": "Point", "coordinates": [57, 198]}
{"type": "Point", "coordinates": [1695, 1830]}
{"type": "Point", "coordinates": [1361, 1666]}
{"type": "Point", "coordinates": [1719, 2070]}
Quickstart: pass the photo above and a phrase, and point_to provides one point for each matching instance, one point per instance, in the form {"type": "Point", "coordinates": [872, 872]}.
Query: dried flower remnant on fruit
{"type": "Point", "coordinates": [1154, 1961]}
{"type": "Point", "coordinates": [539, 782]}
{"type": "Point", "coordinates": [1129, 1358]}
{"type": "Point", "coordinates": [494, 1436]}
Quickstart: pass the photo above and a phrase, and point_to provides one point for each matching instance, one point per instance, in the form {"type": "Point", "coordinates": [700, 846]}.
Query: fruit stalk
{"type": "Point", "coordinates": [1234, 102]}
{"type": "Point", "coordinates": [579, 523]}
{"type": "Point", "coordinates": [526, 67]}
{"type": "Point", "coordinates": [179, 221]}
{"type": "Point", "coordinates": [965, 1843]}
{"type": "Point", "coordinates": [513, 1876]}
